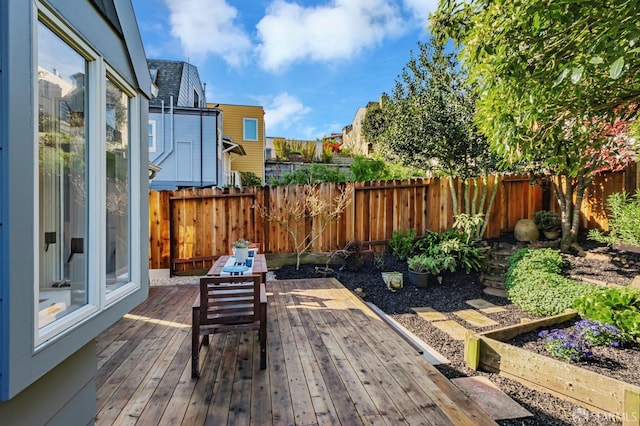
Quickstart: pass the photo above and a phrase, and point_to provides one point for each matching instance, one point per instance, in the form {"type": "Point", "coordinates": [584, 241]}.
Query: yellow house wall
{"type": "Point", "coordinates": [232, 125]}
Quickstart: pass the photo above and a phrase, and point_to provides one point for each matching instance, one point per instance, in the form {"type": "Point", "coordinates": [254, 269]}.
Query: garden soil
{"type": "Point", "coordinates": [596, 264]}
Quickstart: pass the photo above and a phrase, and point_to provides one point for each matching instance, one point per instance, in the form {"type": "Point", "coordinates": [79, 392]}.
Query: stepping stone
{"type": "Point", "coordinates": [485, 306]}
{"type": "Point", "coordinates": [491, 399]}
{"type": "Point", "coordinates": [452, 328]}
{"type": "Point", "coordinates": [598, 256]}
{"type": "Point", "coordinates": [429, 314]}
{"type": "Point", "coordinates": [492, 291]}
{"type": "Point", "coordinates": [636, 282]}
{"type": "Point", "coordinates": [475, 318]}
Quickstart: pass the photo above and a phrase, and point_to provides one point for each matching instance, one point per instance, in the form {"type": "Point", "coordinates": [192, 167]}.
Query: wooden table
{"type": "Point", "coordinates": [259, 266]}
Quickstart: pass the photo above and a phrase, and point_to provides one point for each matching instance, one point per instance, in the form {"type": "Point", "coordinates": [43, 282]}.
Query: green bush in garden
{"type": "Point", "coordinates": [534, 282]}
{"type": "Point", "coordinates": [402, 243]}
{"type": "Point", "coordinates": [467, 252]}
{"type": "Point", "coordinates": [624, 220]}
{"type": "Point", "coordinates": [619, 307]}
{"type": "Point", "coordinates": [545, 293]}
{"type": "Point", "coordinates": [531, 261]}
{"type": "Point", "coordinates": [250, 179]}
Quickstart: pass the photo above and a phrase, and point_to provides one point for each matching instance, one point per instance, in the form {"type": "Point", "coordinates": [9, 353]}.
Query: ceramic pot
{"type": "Point", "coordinates": [526, 230]}
{"type": "Point", "coordinates": [241, 254]}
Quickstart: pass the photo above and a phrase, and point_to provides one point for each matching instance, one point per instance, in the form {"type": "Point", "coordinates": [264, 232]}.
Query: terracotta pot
{"type": "Point", "coordinates": [526, 230]}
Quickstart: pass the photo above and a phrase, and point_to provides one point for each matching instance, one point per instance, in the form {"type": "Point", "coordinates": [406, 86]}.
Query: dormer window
{"type": "Point", "coordinates": [196, 99]}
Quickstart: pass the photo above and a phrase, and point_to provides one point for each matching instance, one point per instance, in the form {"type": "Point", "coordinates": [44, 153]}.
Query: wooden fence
{"type": "Point", "coordinates": [201, 224]}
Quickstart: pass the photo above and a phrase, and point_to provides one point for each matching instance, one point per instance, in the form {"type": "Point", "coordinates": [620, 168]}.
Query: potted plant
{"type": "Point", "coordinates": [241, 250]}
{"type": "Point", "coordinates": [419, 270]}
{"type": "Point", "coordinates": [549, 223]}
{"type": "Point", "coordinates": [422, 266]}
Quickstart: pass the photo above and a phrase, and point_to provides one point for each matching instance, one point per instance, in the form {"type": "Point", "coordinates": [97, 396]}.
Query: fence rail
{"type": "Point", "coordinates": [202, 223]}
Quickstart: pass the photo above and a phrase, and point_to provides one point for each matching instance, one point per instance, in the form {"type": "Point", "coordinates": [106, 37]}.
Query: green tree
{"type": "Point", "coordinates": [552, 77]}
{"type": "Point", "coordinates": [428, 124]}
{"type": "Point", "coordinates": [374, 124]}
{"type": "Point", "coordinates": [311, 175]}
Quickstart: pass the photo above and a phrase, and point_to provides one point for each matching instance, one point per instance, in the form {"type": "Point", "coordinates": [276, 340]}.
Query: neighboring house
{"type": "Point", "coordinates": [269, 149]}
{"type": "Point", "coordinates": [74, 172]}
{"type": "Point", "coordinates": [185, 136]}
{"type": "Point", "coordinates": [244, 125]}
{"type": "Point", "coordinates": [352, 138]}
{"type": "Point", "coordinates": [178, 80]}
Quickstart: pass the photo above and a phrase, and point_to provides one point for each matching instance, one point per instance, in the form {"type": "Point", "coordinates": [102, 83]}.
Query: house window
{"type": "Point", "coordinates": [250, 129]}
{"type": "Point", "coordinates": [117, 187]}
{"type": "Point", "coordinates": [86, 221]}
{"type": "Point", "coordinates": [63, 130]}
{"type": "Point", "coordinates": [152, 135]}
{"type": "Point", "coordinates": [196, 99]}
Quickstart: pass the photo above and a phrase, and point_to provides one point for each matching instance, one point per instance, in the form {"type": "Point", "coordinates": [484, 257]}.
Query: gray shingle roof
{"type": "Point", "coordinates": [169, 75]}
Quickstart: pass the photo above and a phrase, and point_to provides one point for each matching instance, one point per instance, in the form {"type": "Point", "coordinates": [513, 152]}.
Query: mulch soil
{"type": "Point", "coordinates": [610, 266]}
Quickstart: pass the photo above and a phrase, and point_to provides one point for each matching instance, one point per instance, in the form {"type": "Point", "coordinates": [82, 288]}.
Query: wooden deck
{"type": "Point", "coordinates": [330, 360]}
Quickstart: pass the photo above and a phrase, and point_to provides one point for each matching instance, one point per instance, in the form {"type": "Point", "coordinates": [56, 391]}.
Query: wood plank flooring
{"type": "Point", "coordinates": [330, 361]}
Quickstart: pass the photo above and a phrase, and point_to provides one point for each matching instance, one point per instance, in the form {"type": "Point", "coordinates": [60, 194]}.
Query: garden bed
{"type": "Point", "coordinates": [492, 352]}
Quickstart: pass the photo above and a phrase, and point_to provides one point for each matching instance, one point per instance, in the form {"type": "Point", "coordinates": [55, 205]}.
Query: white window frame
{"type": "Point", "coordinates": [153, 146]}
{"type": "Point", "coordinates": [98, 71]}
{"type": "Point", "coordinates": [134, 194]}
{"type": "Point", "coordinates": [244, 128]}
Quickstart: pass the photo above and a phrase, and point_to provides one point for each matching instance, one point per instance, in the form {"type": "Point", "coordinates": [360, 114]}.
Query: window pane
{"type": "Point", "coordinates": [117, 250]}
{"type": "Point", "coordinates": [152, 135]}
{"type": "Point", "coordinates": [251, 129]}
{"type": "Point", "coordinates": [62, 142]}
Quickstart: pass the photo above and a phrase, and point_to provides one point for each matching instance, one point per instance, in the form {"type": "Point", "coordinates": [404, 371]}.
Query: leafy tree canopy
{"type": "Point", "coordinates": [552, 78]}
{"type": "Point", "coordinates": [429, 117]}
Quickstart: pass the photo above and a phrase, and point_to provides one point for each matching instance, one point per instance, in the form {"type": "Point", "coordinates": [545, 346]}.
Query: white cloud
{"type": "Point", "coordinates": [282, 111]}
{"type": "Point", "coordinates": [290, 32]}
{"type": "Point", "coordinates": [209, 26]}
{"type": "Point", "coordinates": [421, 9]}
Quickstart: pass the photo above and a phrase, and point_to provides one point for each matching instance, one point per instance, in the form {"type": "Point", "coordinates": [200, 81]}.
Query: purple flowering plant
{"type": "Point", "coordinates": [577, 346]}
{"type": "Point", "coordinates": [564, 345]}
{"type": "Point", "coordinates": [599, 334]}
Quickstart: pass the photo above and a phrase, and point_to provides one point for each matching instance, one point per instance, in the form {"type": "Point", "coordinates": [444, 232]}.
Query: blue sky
{"type": "Point", "coordinates": [310, 64]}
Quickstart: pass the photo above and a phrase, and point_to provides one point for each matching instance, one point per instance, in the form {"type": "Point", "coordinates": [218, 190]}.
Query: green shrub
{"type": "Point", "coordinates": [402, 243]}
{"type": "Point", "coordinates": [534, 282]}
{"type": "Point", "coordinates": [432, 264]}
{"type": "Point", "coordinates": [619, 307]}
{"type": "Point", "coordinates": [365, 169]}
{"type": "Point", "coordinates": [546, 293]}
{"type": "Point", "coordinates": [467, 253]}
{"type": "Point", "coordinates": [547, 220]}
{"type": "Point", "coordinates": [530, 261]}
{"type": "Point", "coordinates": [624, 220]}
{"type": "Point", "coordinates": [311, 175]}
{"type": "Point", "coordinates": [250, 179]}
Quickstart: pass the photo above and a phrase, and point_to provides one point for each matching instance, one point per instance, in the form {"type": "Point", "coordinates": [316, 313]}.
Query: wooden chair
{"type": "Point", "coordinates": [228, 304]}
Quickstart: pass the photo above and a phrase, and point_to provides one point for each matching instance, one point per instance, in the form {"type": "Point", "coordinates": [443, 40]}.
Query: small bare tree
{"type": "Point", "coordinates": [310, 207]}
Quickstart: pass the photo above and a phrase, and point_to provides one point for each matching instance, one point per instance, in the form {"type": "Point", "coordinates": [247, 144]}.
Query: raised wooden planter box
{"type": "Point", "coordinates": [489, 352]}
